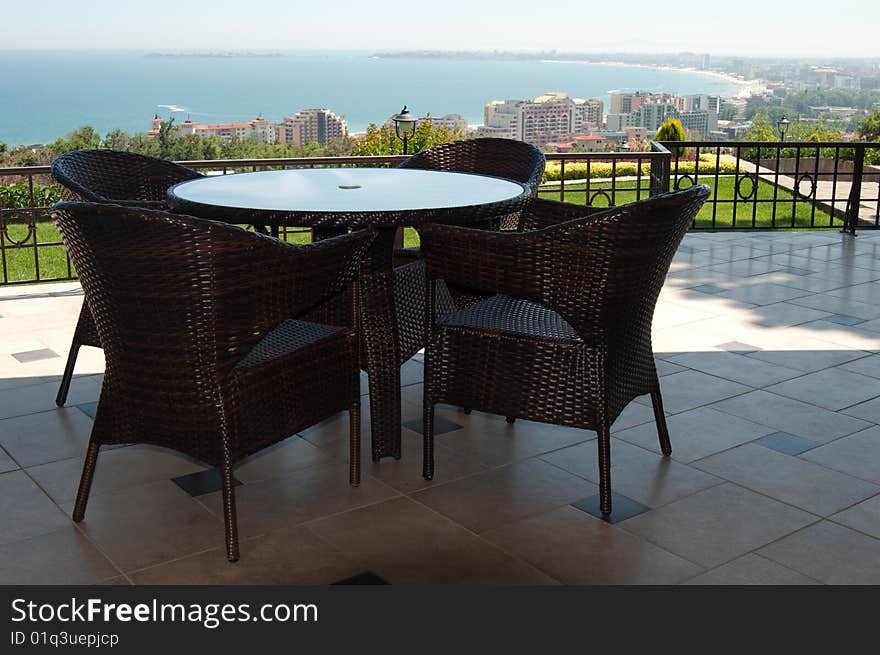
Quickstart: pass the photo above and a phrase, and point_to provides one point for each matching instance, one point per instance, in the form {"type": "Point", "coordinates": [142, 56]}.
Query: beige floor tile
{"type": "Point", "coordinates": [290, 455]}
{"type": "Point", "coordinates": [736, 367]}
{"type": "Point", "coordinates": [576, 548]}
{"type": "Point", "coordinates": [868, 292]}
{"type": "Point", "coordinates": [763, 294]}
{"type": "Point", "coordinates": [406, 543]}
{"type": "Point", "coordinates": [485, 501]}
{"type": "Point", "coordinates": [41, 397]}
{"type": "Point", "coordinates": [857, 455]}
{"type": "Point", "coordinates": [792, 416]}
{"type": "Point", "coordinates": [808, 358]}
{"type": "Point", "coordinates": [718, 524]}
{"type": "Point", "coordinates": [864, 517]}
{"type": "Point", "coordinates": [697, 433]}
{"type": "Point", "coordinates": [405, 474]}
{"type": "Point", "coordinates": [839, 305]}
{"type": "Point", "coordinates": [149, 524]}
{"type": "Point", "coordinates": [785, 314]}
{"type": "Point", "coordinates": [854, 337]}
{"type": "Point", "coordinates": [832, 388]}
{"type": "Point", "coordinates": [490, 440]}
{"type": "Point", "coordinates": [633, 414]}
{"type": "Point", "coordinates": [25, 511]}
{"type": "Point", "coordinates": [751, 569]}
{"type": "Point", "coordinates": [35, 439]}
{"type": "Point", "coordinates": [644, 476]}
{"type": "Point", "coordinates": [62, 557]}
{"type": "Point", "coordinates": [792, 480]}
{"type": "Point", "coordinates": [829, 553]}
{"type": "Point", "coordinates": [690, 389]}
{"type": "Point", "coordinates": [298, 497]}
{"type": "Point", "coordinates": [288, 556]}
{"type": "Point", "coordinates": [869, 366]}
{"type": "Point", "coordinates": [117, 469]}
{"type": "Point", "coordinates": [867, 411]}
{"type": "Point", "coordinates": [6, 462]}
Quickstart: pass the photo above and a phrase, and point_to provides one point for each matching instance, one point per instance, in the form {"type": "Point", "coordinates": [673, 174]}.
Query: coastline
{"type": "Point", "coordinates": [747, 85]}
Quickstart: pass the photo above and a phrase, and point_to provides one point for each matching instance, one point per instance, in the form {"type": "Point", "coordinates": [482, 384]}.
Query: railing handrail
{"type": "Point", "coordinates": [771, 144]}
{"type": "Point", "coordinates": [338, 160]}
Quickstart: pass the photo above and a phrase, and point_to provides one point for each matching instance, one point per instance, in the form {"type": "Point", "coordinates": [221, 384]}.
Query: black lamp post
{"type": "Point", "coordinates": [404, 126]}
{"type": "Point", "coordinates": [782, 125]}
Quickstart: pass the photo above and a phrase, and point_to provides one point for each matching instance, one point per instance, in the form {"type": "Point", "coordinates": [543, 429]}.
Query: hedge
{"type": "Point", "coordinates": [603, 169]}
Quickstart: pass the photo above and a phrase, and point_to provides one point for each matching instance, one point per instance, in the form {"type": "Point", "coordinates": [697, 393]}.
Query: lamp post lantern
{"type": "Point", "coordinates": [404, 126]}
{"type": "Point", "coordinates": [782, 125]}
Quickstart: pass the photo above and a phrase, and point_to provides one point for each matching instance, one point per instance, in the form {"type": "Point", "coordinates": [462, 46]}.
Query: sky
{"type": "Point", "coordinates": [780, 28]}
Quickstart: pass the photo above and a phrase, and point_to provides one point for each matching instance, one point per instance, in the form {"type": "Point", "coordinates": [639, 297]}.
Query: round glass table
{"type": "Point", "coordinates": [334, 200]}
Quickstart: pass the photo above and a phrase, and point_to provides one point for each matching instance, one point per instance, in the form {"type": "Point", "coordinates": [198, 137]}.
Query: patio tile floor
{"type": "Point", "coordinates": [769, 353]}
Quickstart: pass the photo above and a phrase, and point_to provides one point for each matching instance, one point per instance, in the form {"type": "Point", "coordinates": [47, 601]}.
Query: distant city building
{"type": "Point", "coordinates": [549, 118]}
{"type": "Point", "coordinates": [454, 122]}
{"type": "Point", "coordinates": [698, 113]}
{"type": "Point", "coordinates": [259, 130]}
{"type": "Point", "coordinates": [311, 126]}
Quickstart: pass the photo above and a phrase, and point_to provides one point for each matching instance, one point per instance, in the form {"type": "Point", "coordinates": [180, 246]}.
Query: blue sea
{"type": "Point", "coordinates": [45, 94]}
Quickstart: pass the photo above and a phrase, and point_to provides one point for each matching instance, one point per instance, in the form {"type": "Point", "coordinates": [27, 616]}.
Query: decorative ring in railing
{"type": "Point", "coordinates": [600, 194]}
{"type": "Point", "coordinates": [753, 186]}
{"type": "Point", "coordinates": [800, 180]}
{"type": "Point", "coordinates": [12, 242]}
{"type": "Point", "coordinates": [684, 176]}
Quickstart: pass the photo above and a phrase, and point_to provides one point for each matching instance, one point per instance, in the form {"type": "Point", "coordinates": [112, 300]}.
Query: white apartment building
{"type": "Point", "coordinates": [548, 118]}
{"type": "Point", "coordinates": [311, 126]}
{"type": "Point", "coordinates": [259, 130]}
{"type": "Point", "coordinates": [455, 122]}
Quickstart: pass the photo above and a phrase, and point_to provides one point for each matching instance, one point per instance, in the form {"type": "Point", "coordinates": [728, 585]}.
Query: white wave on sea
{"type": "Point", "coordinates": [172, 108]}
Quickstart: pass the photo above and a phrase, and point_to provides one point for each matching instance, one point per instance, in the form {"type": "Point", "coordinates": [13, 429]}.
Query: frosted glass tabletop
{"type": "Point", "coordinates": [347, 190]}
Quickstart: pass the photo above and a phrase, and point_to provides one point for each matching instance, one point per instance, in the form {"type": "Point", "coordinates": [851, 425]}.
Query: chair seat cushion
{"type": "Point", "coordinates": [513, 316]}
{"type": "Point", "coordinates": [285, 338]}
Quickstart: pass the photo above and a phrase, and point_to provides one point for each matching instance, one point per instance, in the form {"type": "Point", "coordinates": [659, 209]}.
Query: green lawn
{"type": "Point", "coordinates": [20, 264]}
{"type": "Point", "coordinates": [749, 213]}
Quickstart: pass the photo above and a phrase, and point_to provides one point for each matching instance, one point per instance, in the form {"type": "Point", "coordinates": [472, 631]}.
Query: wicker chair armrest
{"type": "Point", "coordinates": [267, 281]}
{"type": "Point", "coordinates": [487, 261]}
{"type": "Point", "coordinates": [539, 213]}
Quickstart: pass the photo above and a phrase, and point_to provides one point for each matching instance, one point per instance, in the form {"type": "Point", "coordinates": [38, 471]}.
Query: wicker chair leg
{"type": "Point", "coordinates": [605, 471]}
{"type": "Point", "coordinates": [354, 444]}
{"type": "Point", "coordinates": [660, 419]}
{"type": "Point", "coordinates": [510, 419]}
{"type": "Point", "coordinates": [229, 512]}
{"type": "Point", "coordinates": [85, 482]}
{"type": "Point", "coordinates": [61, 398]}
{"type": "Point", "coordinates": [428, 432]}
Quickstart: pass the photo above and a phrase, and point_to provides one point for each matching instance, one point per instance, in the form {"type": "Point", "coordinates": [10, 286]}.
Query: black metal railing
{"type": "Point", "coordinates": [776, 185]}
{"type": "Point", "coordinates": [755, 186]}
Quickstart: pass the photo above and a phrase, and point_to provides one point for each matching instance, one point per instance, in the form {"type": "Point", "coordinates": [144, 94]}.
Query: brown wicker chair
{"type": "Point", "coordinates": [201, 322]}
{"type": "Point", "coordinates": [566, 339]}
{"type": "Point", "coordinates": [507, 158]}
{"type": "Point", "coordinates": [114, 177]}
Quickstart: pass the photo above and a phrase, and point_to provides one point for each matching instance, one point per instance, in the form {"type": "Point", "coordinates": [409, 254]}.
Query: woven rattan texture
{"type": "Point", "coordinates": [600, 275]}
{"type": "Point", "coordinates": [180, 304]}
{"type": "Point", "coordinates": [120, 178]}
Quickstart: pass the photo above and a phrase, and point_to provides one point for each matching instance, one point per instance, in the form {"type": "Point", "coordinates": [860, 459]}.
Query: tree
{"type": "Point", "coordinates": [761, 129]}
{"type": "Point", "coordinates": [672, 130]}
{"type": "Point", "coordinates": [82, 138]}
{"type": "Point", "coordinates": [869, 127]}
{"type": "Point", "coordinates": [166, 138]}
{"type": "Point", "coordinates": [383, 140]}
{"type": "Point", "coordinates": [117, 140]}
